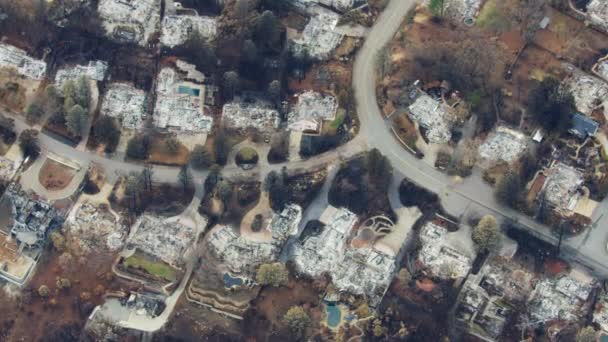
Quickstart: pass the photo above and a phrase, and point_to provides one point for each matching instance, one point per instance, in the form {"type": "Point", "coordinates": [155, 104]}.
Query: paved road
{"type": "Point", "coordinates": [457, 198]}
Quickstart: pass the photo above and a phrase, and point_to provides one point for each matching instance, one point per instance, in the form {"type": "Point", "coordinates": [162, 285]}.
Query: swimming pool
{"type": "Point", "coordinates": [230, 282]}
{"type": "Point", "coordinates": [334, 315]}
{"type": "Point", "coordinates": [604, 338]}
{"type": "Point", "coordinates": [188, 91]}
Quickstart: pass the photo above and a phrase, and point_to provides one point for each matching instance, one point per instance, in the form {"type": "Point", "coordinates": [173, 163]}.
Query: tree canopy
{"type": "Point", "coordinates": [552, 105]}
{"type": "Point", "coordinates": [297, 320]}
{"type": "Point", "coordinates": [486, 235]}
{"type": "Point", "coordinates": [274, 274]}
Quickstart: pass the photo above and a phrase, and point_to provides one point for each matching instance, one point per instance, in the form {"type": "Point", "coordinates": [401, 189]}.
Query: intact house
{"type": "Point", "coordinates": [583, 126]}
{"type": "Point", "coordinates": [180, 100]}
{"type": "Point", "coordinates": [25, 225]}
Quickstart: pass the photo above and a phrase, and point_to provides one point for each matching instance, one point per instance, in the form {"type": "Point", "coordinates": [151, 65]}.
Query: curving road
{"type": "Point", "coordinates": [466, 196]}
{"type": "Point", "coordinates": [459, 199]}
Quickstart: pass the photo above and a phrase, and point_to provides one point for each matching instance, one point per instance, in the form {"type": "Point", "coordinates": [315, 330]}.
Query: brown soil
{"type": "Point", "coordinates": [65, 311]}
{"type": "Point", "coordinates": [54, 176]}
{"type": "Point", "coordinates": [192, 322]}
{"type": "Point", "coordinates": [273, 303]}
{"type": "Point", "coordinates": [160, 155]}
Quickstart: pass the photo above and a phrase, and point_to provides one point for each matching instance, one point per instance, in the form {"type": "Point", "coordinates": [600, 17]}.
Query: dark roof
{"type": "Point", "coordinates": [583, 126]}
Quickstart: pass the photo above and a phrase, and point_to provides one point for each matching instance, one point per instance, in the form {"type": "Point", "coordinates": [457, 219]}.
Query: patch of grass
{"type": "Point", "coordinates": [339, 120]}
{"type": "Point", "coordinates": [491, 17]}
{"type": "Point", "coordinates": [247, 155]}
{"type": "Point", "coordinates": [159, 269]}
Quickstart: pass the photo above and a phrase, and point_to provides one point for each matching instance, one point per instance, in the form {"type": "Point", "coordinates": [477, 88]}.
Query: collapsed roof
{"type": "Point", "coordinates": [562, 185]}
{"type": "Point", "coordinates": [589, 92]}
{"type": "Point", "coordinates": [95, 70]}
{"type": "Point", "coordinates": [597, 11]}
{"type": "Point", "coordinates": [434, 116]}
{"type": "Point", "coordinates": [176, 29]}
{"type": "Point", "coordinates": [504, 144]}
{"type": "Point", "coordinates": [311, 110]}
{"type": "Point", "coordinates": [364, 271]}
{"type": "Point", "coordinates": [132, 21]}
{"type": "Point", "coordinates": [125, 102]}
{"type": "Point", "coordinates": [163, 238]}
{"type": "Point", "coordinates": [561, 298]}
{"type": "Point", "coordinates": [180, 104]}
{"type": "Point", "coordinates": [319, 38]}
{"type": "Point", "coordinates": [251, 112]}
{"type": "Point", "coordinates": [441, 257]}
{"type": "Point", "coordinates": [15, 58]}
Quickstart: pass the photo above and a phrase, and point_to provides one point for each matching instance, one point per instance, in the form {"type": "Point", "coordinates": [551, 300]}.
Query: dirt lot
{"type": "Point", "coordinates": [55, 176]}
{"type": "Point", "coordinates": [159, 154]}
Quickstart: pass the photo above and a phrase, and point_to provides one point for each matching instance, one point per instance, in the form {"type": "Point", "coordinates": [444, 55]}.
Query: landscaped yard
{"type": "Point", "coordinates": [158, 268]}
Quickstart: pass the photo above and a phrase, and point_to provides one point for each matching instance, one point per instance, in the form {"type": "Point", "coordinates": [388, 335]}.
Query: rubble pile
{"type": "Point", "coordinates": [254, 113]}
{"type": "Point", "coordinates": [180, 104]}
{"type": "Point", "coordinates": [90, 224]}
{"type": "Point", "coordinates": [15, 58]}
{"type": "Point", "coordinates": [601, 68]}
{"type": "Point", "coordinates": [562, 298]}
{"type": "Point", "coordinates": [341, 5]}
{"type": "Point", "coordinates": [176, 29]}
{"type": "Point", "coordinates": [95, 70]}
{"type": "Point", "coordinates": [363, 271]}
{"type": "Point", "coordinates": [504, 144]}
{"type": "Point", "coordinates": [434, 116]}
{"type": "Point", "coordinates": [439, 257]}
{"type": "Point", "coordinates": [562, 185]}
{"type": "Point", "coordinates": [597, 11]}
{"type": "Point", "coordinates": [130, 21]}
{"type": "Point", "coordinates": [319, 38]}
{"type": "Point", "coordinates": [462, 9]}
{"type": "Point", "coordinates": [125, 102]}
{"type": "Point", "coordinates": [311, 110]}
{"type": "Point", "coordinates": [164, 239]}
{"type": "Point", "coordinates": [589, 92]}
{"type": "Point", "coordinates": [7, 169]}
{"type": "Point", "coordinates": [242, 256]}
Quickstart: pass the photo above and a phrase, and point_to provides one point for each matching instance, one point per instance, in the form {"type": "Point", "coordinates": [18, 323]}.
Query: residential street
{"type": "Point", "coordinates": [457, 197]}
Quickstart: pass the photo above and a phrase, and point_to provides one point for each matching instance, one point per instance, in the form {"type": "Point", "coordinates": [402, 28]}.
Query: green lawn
{"type": "Point", "coordinates": [159, 269]}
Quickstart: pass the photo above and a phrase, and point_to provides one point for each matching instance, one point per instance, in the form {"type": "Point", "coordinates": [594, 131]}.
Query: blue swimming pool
{"type": "Point", "coordinates": [604, 338]}
{"type": "Point", "coordinates": [188, 91]}
{"type": "Point", "coordinates": [334, 315]}
{"type": "Point", "coordinates": [230, 282]}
